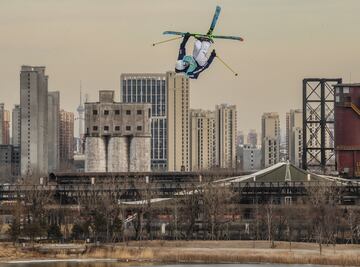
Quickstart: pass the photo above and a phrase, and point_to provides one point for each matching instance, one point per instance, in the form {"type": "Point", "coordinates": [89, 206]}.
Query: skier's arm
{"type": "Point", "coordinates": [182, 50]}
{"type": "Point", "coordinates": [208, 63]}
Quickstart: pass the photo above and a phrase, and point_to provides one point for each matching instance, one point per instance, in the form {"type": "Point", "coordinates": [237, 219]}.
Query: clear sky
{"type": "Point", "coordinates": [96, 41]}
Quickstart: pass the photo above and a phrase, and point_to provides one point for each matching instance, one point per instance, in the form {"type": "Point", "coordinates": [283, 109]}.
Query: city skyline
{"type": "Point", "coordinates": [77, 40]}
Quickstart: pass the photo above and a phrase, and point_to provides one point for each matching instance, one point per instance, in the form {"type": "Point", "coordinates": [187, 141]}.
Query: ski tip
{"type": "Point", "coordinates": [218, 8]}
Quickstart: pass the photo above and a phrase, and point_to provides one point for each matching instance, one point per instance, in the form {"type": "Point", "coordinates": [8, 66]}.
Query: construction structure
{"type": "Point", "coordinates": [318, 124]}
{"type": "Point", "coordinates": [117, 135]}
{"type": "Point", "coordinates": [347, 129]}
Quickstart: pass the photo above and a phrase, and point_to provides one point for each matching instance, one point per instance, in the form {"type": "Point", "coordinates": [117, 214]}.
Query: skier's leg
{"type": "Point", "coordinates": [197, 48]}
{"type": "Point", "coordinates": [201, 58]}
{"type": "Point", "coordinates": [182, 50]}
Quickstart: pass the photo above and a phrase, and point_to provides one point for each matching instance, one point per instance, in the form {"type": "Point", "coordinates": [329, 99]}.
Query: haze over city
{"type": "Point", "coordinates": [96, 41]}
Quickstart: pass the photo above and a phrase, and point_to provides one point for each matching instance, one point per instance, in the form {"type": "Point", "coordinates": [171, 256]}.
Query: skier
{"type": "Point", "coordinates": [198, 62]}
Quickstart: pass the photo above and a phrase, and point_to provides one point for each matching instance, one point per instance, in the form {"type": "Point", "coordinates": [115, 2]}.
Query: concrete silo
{"type": "Point", "coordinates": [140, 157]}
{"type": "Point", "coordinates": [95, 154]}
{"type": "Point", "coordinates": [118, 154]}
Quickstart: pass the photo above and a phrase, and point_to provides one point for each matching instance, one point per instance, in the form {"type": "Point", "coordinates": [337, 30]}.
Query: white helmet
{"type": "Point", "coordinates": [180, 65]}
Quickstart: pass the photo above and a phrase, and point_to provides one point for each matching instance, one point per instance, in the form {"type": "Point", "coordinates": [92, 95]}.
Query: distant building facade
{"type": "Point", "coordinates": [225, 136]}
{"type": "Point", "coordinates": [66, 142]}
{"type": "Point", "coordinates": [270, 139]}
{"type": "Point", "coordinates": [118, 135]}
{"type": "Point", "coordinates": [202, 140]}
{"type": "Point", "coordinates": [9, 163]}
{"type": "Point", "coordinates": [5, 125]}
{"type": "Point", "coordinates": [53, 136]}
{"type": "Point", "coordinates": [252, 138]}
{"type": "Point", "coordinates": [150, 88]}
{"type": "Point", "coordinates": [34, 120]}
{"type": "Point", "coordinates": [178, 134]}
{"type": "Point", "coordinates": [16, 126]}
{"type": "Point", "coordinates": [251, 158]}
{"type": "Point", "coordinates": [294, 124]}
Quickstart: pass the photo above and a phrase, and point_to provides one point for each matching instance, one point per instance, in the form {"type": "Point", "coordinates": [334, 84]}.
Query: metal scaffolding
{"type": "Point", "coordinates": [318, 124]}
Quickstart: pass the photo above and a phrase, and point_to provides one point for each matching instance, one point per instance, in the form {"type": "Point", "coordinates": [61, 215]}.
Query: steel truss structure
{"type": "Point", "coordinates": [318, 125]}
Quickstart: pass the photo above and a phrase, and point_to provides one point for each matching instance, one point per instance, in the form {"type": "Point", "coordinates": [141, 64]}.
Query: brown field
{"type": "Point", "coordinates": [194, 252]}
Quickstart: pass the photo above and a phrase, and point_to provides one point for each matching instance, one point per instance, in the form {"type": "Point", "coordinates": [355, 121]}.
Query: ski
{"type": "Point", "coordinates": [204, 35]}
{"type": "Point", "coordinates": [228, 37]}
{"type": "Point", "coordinates": [214, 20]}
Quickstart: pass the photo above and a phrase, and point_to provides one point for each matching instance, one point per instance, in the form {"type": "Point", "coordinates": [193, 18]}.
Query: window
{"type": "Point", "coordinates": [117, 128]}
{"type": "Point", "coordinates": [128, 128]}
{"type": "Point", "coordinates": [106, 112]}
{"type": "Point", "coordinates": [95, 112]}
{"type": "Point", "coordinates": [128, 112]}
{"type": "Point", "coordinates": [139, 128]}
{"type": "Point", "coordinates": [117, 112]}
{"type": "Point", "coordinates": [139, 112]}
{"type": "Point", "coordinates": [106, 128]}
{"type": "Point", "coordinates": [95, 128]}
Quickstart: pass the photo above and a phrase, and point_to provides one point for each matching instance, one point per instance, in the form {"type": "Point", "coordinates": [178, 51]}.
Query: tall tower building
{"type": "Point", "coordinates": [294, 126]}
{"type": "Point", "coordinates": [178, 139]}
{"type": "Point", "coordinates": [150, 88]}
{"type": "Point", "coordinates": [81, 122]}
{"type": "Point", "coordinates": [270, 139]}
{"type": "Point", "coordinates": [66, 142]}
{"type": "Point", "coordinates": [34, 120]}
{"type": "Point", "coordinates": [53, 130]}
{"type": "Point", "coordinates": [202, 139]}
{"type": "Point", "coordinates": [225, 135]}
{"type": "Point", "coordinates": [16, 126]}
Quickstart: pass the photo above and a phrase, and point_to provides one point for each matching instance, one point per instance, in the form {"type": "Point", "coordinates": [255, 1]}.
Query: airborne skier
{"type": "Point", "coordinates": [193, 65]}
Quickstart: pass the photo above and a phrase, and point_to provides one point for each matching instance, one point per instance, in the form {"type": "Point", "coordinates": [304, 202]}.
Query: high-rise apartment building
{"type": "Point", "coordinates": [150, 88]}
{"type": "Point", "coordinates": [225, 136]}
{"type": "Point", "coordinates": [178, 135]}
{"type": "Point", "coordinates": [270, 139]}
{"type": "Point", "coordinates": [2, 111]}
{"type": "Point", "coordinates": [202, 139]}
{"type": "Point", "coordinates": [66, 142]}
{"type": "Point", "coordinates": [4, 125]}
{"type": "Point", "coordinates": [34, 120]}
{"type": "Point", "coordinates": [252, 138]}
{"type": "Point", "coordinates": [16, 126]}
{"type": "Point", "coordinates": [53, 130]}
{"type": "Point", "coordinates": [294, 141]}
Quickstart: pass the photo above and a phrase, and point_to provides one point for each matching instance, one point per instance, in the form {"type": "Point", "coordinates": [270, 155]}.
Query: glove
{"type": "Point", "coordinates": [213, 53]}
